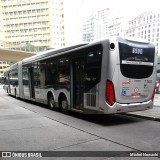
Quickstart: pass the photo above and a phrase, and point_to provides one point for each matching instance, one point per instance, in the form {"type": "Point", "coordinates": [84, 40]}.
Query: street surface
{"type": "Point", "coordinates": [26, 126]}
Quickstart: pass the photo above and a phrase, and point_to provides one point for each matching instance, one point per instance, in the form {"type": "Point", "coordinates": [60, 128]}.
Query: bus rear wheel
{"type": "Point", "coordinates": [64, 104]}
{"type": "Point", "coordinates": [51, 103]}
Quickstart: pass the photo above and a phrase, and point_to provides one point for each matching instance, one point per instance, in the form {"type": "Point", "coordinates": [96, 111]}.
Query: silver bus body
{"type": "Point", "coordinates": [110, 76]}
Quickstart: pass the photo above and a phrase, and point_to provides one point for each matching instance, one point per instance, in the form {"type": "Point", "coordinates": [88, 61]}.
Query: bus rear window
{"type": "Point", "coordinates": [131, 54]}
{"type": "Point", "coordinates": [136, 59]}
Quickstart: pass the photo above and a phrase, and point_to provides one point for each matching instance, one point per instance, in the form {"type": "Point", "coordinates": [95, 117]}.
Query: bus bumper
{"type": "Point", "coordinates": [134, 107]}
{"type": "Point", "coordinates": [122, 108]}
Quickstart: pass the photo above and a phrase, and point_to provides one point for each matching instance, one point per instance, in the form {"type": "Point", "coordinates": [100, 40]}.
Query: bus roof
{"type": "Point", "coordinates": [51, 52]}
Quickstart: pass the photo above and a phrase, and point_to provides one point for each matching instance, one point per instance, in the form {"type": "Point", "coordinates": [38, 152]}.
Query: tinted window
{"type": "Point", "coordinates": [49, 69]}
{"type": "Point", "coordinates": [54, 72]}
{"type": "Point", "coordinates": [63, 72]}
{"type": "Point", "coordinates": [140, 53]}
{"type": "Point", "coordinates": [93, 57]}
{"type": "Point", "coordinates": [92, 71]}
{"type": "Point", "coordinates": [136, 59]}
{"type": "Point", "coordinates": [25, 76]}
{"type": "Point", "coordinates": [37, 82]}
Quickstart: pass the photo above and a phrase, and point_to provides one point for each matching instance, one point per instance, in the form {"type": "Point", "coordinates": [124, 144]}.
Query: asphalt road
{"type": "Point", "coordinates": [33, 127]}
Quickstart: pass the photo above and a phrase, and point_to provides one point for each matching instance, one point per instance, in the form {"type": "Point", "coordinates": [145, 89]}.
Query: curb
{"type": "Point", "coordinates": [143, 117]}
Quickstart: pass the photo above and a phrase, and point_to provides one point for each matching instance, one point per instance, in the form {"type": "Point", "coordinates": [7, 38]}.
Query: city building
{"type": "Point", "coordinates": [36, 24]}
{"type": "Point", "coordinates": [93, 29]}
{"type": "Point", "coordinates": [116, 26]}
{"type": "Point", "coordinates": [104, 16]}
{"type": "Point", "coordinates": [1, 33]}
{"type": "Point", "coordinates": [31, 25]}
{"type": "Point", "coordinates": [146, 26]}
{"type": "Point", "coordinates": [73, 20]}
{"type": "Point", "coordinates": [3, 66]}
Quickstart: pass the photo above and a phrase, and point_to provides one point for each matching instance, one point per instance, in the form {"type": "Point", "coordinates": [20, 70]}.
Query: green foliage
{"type": "Point", "coordinates": [32, 48]}
{"type": "Point", "coordinates": [11, 63]}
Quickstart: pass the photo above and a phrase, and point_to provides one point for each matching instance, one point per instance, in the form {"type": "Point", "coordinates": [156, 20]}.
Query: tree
{"type": "Point", "coordinates": [29, 47]}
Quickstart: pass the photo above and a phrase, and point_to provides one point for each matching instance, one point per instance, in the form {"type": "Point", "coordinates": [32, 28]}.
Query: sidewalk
{"type": "Point", "coordinates": [151, 114]}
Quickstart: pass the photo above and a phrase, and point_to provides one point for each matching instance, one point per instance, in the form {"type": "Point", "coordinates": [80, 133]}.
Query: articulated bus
{"type": "Point", "coordinates": [114, 75]}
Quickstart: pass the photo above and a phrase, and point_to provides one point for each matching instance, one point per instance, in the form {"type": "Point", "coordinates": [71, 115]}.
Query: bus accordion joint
{"type": "Point", "coordinates": [110, 94]}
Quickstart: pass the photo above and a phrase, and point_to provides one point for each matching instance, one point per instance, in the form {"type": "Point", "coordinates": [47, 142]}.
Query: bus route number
{"type": "Point", "coordinates": [137, 51]}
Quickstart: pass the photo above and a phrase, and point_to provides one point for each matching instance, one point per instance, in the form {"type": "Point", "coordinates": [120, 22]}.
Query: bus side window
{"type": "Point", "coordinates": [92, 67]}
{"type": "Point", "coordinates": [64, 72]}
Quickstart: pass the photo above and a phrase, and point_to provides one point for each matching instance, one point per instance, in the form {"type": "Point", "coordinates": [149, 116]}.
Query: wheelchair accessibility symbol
{"type": "Point", "coordinates": [123, 93]}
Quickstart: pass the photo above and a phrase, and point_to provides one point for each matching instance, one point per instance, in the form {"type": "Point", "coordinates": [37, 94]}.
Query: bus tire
{"type": "Point", "coordinates": [51, 103]}
{"type": "Point", "coordinates": [15, 93]}
{"type": "Point", "coordinates": [63, 104]}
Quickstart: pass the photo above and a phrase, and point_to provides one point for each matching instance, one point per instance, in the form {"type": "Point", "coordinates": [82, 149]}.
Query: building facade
{"type": "Point", "coordinates": [35, 22]}
{"type": "Point", "coordinates": [146, 26]}
{"type": "Point", "coordinates": [3, 66]}
{"type": "Point", "coordinates": [73, 20]}
{"type": "Point", "coordinates": [104, 16]}
{"type": "Point", "coordinates": [31, 25]}
{"type": "Point", "coordinates": [93, 29]}
{"type": "Point", "coordinates": [1, 33]}
{"type": "Point", "coordinates": [116, 26]}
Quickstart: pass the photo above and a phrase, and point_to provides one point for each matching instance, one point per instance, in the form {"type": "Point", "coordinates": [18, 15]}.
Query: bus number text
{"type": "Point", "coordinates": [137, 51]}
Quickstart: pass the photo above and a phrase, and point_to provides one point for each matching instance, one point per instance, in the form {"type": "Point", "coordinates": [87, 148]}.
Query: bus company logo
{"type": "Point", "coordinates": [21, 154]}
{"type": "Point", "coordinates": [6, 154]}
{"type": "Point", "coordinates": [126, 82]}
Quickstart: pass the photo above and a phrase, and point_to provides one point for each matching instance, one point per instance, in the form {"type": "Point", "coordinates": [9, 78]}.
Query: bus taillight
{"type": "Point", "coordinates": [153, 94]}
{"type": "Point", "coordinates": [110, 95]}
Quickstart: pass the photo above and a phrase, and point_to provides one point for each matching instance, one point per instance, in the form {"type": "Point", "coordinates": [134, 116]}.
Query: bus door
{"type": "Point", "coordinates": [31, 82]}
{"type": "Point", "coordinates": [78, 83]}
